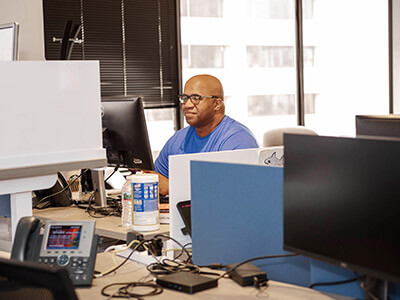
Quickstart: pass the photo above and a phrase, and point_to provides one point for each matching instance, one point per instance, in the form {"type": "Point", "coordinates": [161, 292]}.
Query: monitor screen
{"type": "Point", "coordinates": [125, 134]}
{"type": "Point", "coordinates": [378, 125]}
{"type": "Point", "coordinates": [341, 202]}
{"type": "Point", "coordinates": [9, 41]}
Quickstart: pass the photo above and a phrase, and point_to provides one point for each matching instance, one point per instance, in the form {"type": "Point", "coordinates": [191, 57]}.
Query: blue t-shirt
{"type": "Point", "coordinates": [228, 135]}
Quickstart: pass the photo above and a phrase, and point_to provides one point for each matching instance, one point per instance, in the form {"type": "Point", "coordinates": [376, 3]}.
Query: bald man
{"type": "Point", "coordinates": [210, 129]}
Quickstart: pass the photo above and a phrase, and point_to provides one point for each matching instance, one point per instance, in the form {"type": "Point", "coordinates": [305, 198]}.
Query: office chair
{"type": "Point", "coordinates": [274, 137]}
{"type": "Point", "coordinates": [28, 280]}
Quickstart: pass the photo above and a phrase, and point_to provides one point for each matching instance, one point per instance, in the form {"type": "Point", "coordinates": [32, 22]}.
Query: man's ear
{"type": "Point", "coordinates": [218, 104]}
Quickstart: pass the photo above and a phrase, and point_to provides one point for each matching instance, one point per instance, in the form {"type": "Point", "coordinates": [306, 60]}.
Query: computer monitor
{"type": "Point", "coordinates": [125, 134]}
{"type": "Point", "coordinates": [9, 41]}
{"type": "Point", "coordinates": [341, 202]}
{"type": "Point", "coordinates": [378, 125]}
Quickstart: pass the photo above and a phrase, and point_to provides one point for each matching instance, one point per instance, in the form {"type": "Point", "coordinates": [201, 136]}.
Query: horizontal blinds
{"type": "Point", "coordinates": [102, 25]}
{"type": "Point", "coordinates": [56, 13]}
{"type": "Point", "coordinates": [134, 40]}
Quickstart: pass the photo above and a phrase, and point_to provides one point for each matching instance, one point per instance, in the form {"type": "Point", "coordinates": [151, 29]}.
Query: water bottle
{"type": "Point", "coordinates": [126, 201]}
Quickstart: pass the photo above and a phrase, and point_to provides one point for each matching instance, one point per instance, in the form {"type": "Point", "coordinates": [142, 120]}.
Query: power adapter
{"type": "Point", "coordinates": [247, 274]}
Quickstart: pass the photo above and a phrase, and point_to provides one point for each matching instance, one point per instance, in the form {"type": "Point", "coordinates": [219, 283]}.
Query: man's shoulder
{"type": "Point", "coordinates": [235, 135]}
{"type": "Point", "coordinates": [231, 125]}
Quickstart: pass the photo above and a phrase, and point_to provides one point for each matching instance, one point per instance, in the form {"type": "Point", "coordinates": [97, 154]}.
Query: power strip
{"type": "Point", "coordinates": [140, 257]}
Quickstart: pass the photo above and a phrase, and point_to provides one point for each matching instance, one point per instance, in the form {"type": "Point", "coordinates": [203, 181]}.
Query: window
{"type": "Point", "coordinates": [251, 56]}
{"type": "Point", "coordinates": [276, 57]}
{"type": "Point", "coordinates": [274, 105]}
{"type": "Point", "coordinates": [202, 8]}
{"type": "Point", "coordinates": [278, 9]}
{"type": "Point", "coordinates": [271, 9]}
{"type": "Point", "coordinates": [270, 56]}
{"type": "Point", "coordinates": [351, 72]}
{"type": "Point", "coordinates": [203, 56]}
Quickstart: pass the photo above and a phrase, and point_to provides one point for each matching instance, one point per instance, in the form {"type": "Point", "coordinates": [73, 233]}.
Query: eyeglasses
{"type": "Point", "coordinates": [195, 99]}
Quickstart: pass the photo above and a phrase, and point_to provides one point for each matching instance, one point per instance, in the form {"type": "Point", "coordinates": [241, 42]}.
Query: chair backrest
{"type": "Point", "coordinates": [28, 280]}
{"type": "Point", "coordinates": [274, 137]}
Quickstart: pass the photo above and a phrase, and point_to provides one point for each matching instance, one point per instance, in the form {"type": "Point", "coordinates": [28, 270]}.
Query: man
{"type": "Point", "coordinates": [210, 129]}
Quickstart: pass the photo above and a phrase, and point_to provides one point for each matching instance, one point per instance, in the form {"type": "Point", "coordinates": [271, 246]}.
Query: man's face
{"type": "Point", "coordinates": [201, 114]}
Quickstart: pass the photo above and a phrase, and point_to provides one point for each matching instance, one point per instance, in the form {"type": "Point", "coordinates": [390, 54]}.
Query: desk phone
{"type": "Point", "coordinates": [69, 244]}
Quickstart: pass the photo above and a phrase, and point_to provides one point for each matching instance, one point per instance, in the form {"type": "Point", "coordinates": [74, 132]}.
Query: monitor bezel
{"type": "Point", "coordinates": [15, 27]}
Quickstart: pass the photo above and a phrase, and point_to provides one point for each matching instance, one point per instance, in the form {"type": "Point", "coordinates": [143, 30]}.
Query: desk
{"type": "Point", "coordinates": [107, 227]}
{"type": "Point", "coordinates": [226, 290]}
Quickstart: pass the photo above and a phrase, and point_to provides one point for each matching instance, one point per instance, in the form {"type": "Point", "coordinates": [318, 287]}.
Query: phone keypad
{"type": "Point", "coordinates": [77, 266]}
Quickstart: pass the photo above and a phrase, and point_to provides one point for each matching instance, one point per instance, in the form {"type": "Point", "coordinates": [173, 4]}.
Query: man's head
{"type": "Point", "coordinates": [208, 112]}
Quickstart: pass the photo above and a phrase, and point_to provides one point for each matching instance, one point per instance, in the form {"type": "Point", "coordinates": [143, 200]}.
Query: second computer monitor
{"type": "Point", "coordinates": [378, 125]}
{"type": "Point", "coordinates": [125, 134]}
{"type": "Point", "coordinates": [341, 202]}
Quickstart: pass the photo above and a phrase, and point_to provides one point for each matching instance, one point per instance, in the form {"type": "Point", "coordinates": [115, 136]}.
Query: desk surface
{"type": "Point", "coordinates": [227, 289]}
{"type": "Point", "coordinates": [108, 226]}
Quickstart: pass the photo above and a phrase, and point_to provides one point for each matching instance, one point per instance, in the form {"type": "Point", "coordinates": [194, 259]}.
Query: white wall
{"type": "Point", "coordinates": [29, 14]}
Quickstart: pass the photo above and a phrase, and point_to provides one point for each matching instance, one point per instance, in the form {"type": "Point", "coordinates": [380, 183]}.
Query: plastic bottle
{"type": "Point", "coordinates": [146, 215]}
{"type": "Point", "coordinates": [126, 201]}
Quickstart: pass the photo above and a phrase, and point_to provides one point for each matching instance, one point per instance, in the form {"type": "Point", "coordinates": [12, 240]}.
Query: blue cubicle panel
{"type": "Point", "coordinates": [5, 206]}
{"type": "Point", "coordinates": [237, 214]}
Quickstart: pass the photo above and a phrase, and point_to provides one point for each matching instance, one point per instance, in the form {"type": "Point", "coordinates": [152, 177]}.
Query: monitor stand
{"type": "Point", "coordinates": [99, 187]}
{"type": "Point", "coordinates": [374, 288]}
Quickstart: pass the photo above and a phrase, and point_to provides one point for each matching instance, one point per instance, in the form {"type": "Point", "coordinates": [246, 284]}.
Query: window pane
{"type": "Point", "coordinates": [206, 57]}
{"type": "Point", "coordinates": [348, 74]}
{"type": "Point", "coordinates": [205, 8]}
{"type": "Point", "coordinates": [271, 9]}
{"type": "Point", "coordinates": [274, 105]}
{"type": "Point", "coordinates": [270, 105]}
{"type": "Point", "coordinates": [270, 56]}
{"type": "Point", "coordinates": [253, 56]}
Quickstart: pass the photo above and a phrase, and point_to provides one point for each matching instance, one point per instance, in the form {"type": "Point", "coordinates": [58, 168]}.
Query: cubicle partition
{"type": "Point", "coordinates": [237, 214]}
{"type": "Point", "coordinates": [50, 120]}
{"type": "Point", "coordinates": [179, 177]}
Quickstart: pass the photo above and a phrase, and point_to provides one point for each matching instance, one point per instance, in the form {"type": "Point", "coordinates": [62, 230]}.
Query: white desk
{"type": "Point", "coordinates": [108, 226]}
{"type": "Point", "coordinates": [226, 290]}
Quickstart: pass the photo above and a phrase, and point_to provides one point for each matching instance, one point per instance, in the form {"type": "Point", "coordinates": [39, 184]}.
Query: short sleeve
{"type": "Point", "coordinates": [161, 163]}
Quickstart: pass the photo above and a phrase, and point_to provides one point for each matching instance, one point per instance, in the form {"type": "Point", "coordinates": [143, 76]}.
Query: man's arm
{"type": "Point", "coordinates": [163, 182]}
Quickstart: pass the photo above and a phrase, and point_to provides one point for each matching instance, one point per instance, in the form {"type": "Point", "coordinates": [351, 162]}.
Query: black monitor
{"type": "Point", "coordinates": [125, 134]}
{"type": "Point", "coordinates": [378, 125]}
{"type": "Point", "coordinates": [342, 202]}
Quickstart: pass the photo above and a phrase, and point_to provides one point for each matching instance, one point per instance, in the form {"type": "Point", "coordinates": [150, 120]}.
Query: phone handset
{"type": "Point", "coordinates": [26, 238]}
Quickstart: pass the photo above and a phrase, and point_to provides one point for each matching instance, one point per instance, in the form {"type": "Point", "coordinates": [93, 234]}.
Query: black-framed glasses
{"type": "Point", "coordinates": [195, 99]}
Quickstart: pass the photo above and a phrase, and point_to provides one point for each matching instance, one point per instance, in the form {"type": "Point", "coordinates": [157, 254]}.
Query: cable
{"type": "Point", "coordinates": [114, 207]}
{"type": "Point", "coordinates": [179, 244]}
{"type": "Point", "coordinates": [113, 172]}
{"type": "Point", "coordinates": [57, 193]}
{"type": "Point", "coordinates": [126, 290]}
{"type": "Point", "coordinates": [253, 259]}
{"type": "Point", "coordinates": [333, 282]}
{"type": "Point", "coordinates": [115, 268]}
